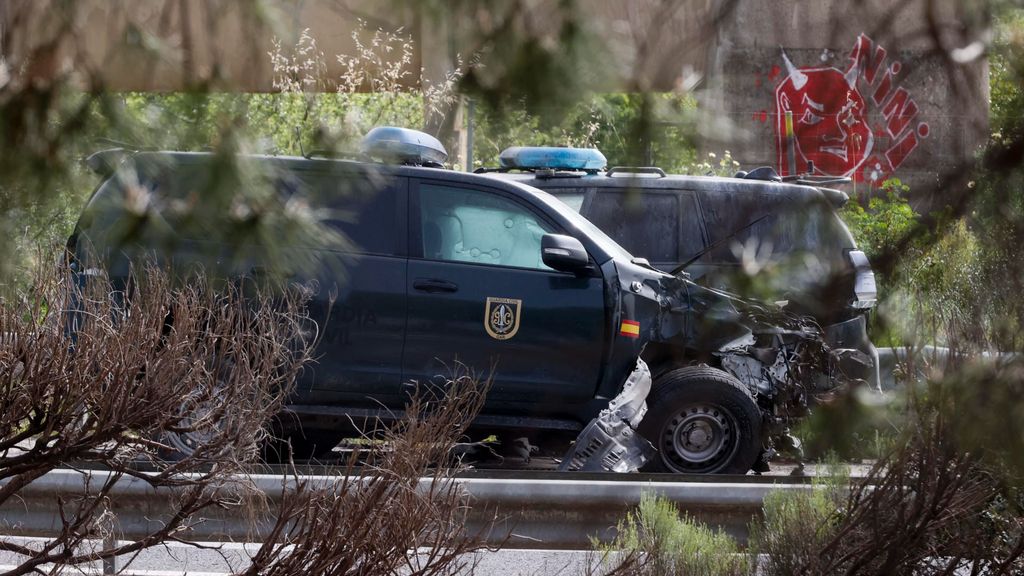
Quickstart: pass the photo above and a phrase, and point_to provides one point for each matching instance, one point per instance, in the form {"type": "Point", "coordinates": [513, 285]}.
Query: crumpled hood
{"type": "Point", "coordinates": [714, 318]}
{"type": "Point", "coordinates": [675, 311]}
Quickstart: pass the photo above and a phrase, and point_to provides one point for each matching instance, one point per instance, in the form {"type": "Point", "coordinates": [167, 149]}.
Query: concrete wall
{"type": "Point", "coordinates": [868, 93]}
{"type": "Point", "coordinates": [160, 45]}
{"type": "Point", "coordinates": [166, 44]}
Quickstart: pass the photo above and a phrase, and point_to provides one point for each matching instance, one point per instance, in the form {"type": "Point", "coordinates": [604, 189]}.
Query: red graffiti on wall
{"type": "Point", "coordinates": [822, 118]}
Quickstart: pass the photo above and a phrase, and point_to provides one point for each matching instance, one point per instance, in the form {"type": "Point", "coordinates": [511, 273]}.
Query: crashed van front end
{"type": "Point", "coordinates": [782, 360]}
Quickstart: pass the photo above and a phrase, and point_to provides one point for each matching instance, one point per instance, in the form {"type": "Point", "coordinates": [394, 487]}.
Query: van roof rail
{"type": "Point", "coordinates": [809, 180]}
{"type": "Point", "coordinates": [636, 170]}
{"type": "Point", "coordinates": [325, 153]}
{"type": "Point", "coordinates": [105, 162]}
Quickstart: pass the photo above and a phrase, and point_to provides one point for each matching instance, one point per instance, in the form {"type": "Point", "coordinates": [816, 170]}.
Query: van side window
{"type": "Point", "coordinates": [691, 240]}
{"type": "Point", "coordinates": [466, 225]}
{"type": "Point", "coordinates": [789, 226]}
{"type": "Point", "coordinates": [571, 197]}
{"type": "Point", "coordinates": [645, 223]}
{"type": "Point", "coordinates": [725, 212]}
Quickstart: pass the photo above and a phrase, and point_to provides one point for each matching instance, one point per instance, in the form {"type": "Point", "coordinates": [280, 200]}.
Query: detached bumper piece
{"type": "Point", "coordinates": [608, 445]}
{"type": "Point", "coordinates": [610, 442]}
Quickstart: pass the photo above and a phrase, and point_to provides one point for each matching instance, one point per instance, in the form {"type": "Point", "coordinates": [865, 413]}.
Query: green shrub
{"type": "Point", "coordinates": [797, 525]}
{"type": "Point", "coordinates": [657, 540]}
{"type": "Point", "coordinates": [932, 287]}
{"type": "Point", "coordinates": [713, 165]}
{"type": "Point", "coordinates": [613, 123]}
{"type": "Point", "coordinates": [880, 226]}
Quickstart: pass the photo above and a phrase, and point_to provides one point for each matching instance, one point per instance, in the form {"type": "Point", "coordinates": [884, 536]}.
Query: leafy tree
{"type": "Point", "coordinates": [607, 122]}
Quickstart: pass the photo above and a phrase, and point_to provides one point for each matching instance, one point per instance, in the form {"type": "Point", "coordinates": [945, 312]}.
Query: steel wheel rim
{"type": "Point", "coordinates": [699, 438]}
{"type": "Point", "coordinates": [186, 443]}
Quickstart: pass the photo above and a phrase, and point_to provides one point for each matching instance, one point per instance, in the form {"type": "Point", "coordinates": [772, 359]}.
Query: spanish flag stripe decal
{"type": "Point", "coordinates": [630, 329]}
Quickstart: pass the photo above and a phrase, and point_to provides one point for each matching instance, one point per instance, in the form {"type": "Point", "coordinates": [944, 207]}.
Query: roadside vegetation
{"type": "Point", "coordinates": [181, 378]}
{"type": "Point", "coordinates": [173, 382]}
{"type": "Point", "coordinates": [399, 512]}
{"type": "Point", "coordinates": [932, 503]}
{"type": "Point", "coordinates": [657, 539]}
{"type": "Point", "coordinates": [927, 506]}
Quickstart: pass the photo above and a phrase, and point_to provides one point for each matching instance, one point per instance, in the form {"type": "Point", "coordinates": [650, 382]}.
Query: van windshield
{"type": "Point", "coordinates": [573, 199]}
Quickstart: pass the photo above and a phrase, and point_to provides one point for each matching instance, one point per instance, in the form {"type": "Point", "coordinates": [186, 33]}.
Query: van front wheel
{"type": "Point", "coordinates": [702, 421]}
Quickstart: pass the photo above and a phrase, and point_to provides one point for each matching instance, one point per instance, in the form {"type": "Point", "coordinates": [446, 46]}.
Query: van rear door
{"type": "Point", "coordinates": [359, 297]}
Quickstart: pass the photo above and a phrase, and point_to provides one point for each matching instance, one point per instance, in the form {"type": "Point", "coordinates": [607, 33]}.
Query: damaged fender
{"type": "Point", "coordinates": [610, 442]}
{"type": "Point", "coordinates": [787, 361]}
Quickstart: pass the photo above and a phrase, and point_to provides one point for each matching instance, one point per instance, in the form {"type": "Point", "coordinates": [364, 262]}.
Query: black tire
{"type": "Point", "coordinates": [702, 421]}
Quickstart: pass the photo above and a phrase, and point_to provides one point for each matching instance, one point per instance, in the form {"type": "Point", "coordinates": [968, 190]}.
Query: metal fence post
{"type": "Point", "coordinates": [109, 564]}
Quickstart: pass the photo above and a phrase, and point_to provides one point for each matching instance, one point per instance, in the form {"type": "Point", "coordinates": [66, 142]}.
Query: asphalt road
{"type": "Point", "coordinates": [176, 558]}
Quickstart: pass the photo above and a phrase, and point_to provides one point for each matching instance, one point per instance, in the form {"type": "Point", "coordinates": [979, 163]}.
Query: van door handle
{"type": "Point", "coordinates": [433, 285]}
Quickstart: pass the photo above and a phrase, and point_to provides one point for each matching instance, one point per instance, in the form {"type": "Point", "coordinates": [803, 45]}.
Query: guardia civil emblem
{"type": "Point", "coordinates": [501, 317]}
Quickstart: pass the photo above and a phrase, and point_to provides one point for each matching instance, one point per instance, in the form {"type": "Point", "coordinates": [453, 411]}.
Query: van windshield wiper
{"type": "Point", "coordinates": [716, 244]}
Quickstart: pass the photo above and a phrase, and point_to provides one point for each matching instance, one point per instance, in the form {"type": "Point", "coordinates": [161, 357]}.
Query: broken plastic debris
{"type": "Point", "coordinates": [610, 442]}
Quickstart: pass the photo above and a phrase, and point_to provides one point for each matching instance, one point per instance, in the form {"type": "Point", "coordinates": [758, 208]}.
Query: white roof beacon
{"type": "Point", "coordinates": [393, 145]}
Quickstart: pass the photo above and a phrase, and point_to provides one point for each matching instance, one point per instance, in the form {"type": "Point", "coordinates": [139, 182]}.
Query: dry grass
{"type": "Point", "coordinates": [934, 504]}
{"type": "Point", "coordinates": [402, 513]}
{"type": "Point", "coordinates": [106, 375]}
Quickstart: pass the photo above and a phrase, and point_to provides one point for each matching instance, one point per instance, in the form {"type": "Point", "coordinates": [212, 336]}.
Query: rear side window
{"type": "Point", "coordinates": [362, 206]}
{"type": "Point", "coordinates": [193, 205]}
{"type": "Point", "coordinates": [659, 226]}
{"type": "Point", "coordinates": [143, 203]}
{"type": "Point", "coordinates": [726, 213]}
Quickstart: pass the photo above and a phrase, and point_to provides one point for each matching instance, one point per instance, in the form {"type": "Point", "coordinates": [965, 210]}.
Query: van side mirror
{"type": "Point", "coordinates": [563, 253]}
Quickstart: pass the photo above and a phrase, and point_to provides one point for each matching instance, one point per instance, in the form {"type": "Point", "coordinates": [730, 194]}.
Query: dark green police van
{"type": "Point", "coordinates": [438, 266]}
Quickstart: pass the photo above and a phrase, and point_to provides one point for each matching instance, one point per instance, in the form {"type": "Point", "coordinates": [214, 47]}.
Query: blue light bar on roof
{"type": "Point", "coordinates": [555, 158]}
{"type": "Point", "coordinates": [403, 146]}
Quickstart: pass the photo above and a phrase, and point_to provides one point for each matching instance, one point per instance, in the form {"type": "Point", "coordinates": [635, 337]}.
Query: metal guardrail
{"type": "Point", "coordinates": [529, 513]}
{"type": "Point", "coordinates": [891, 359]}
